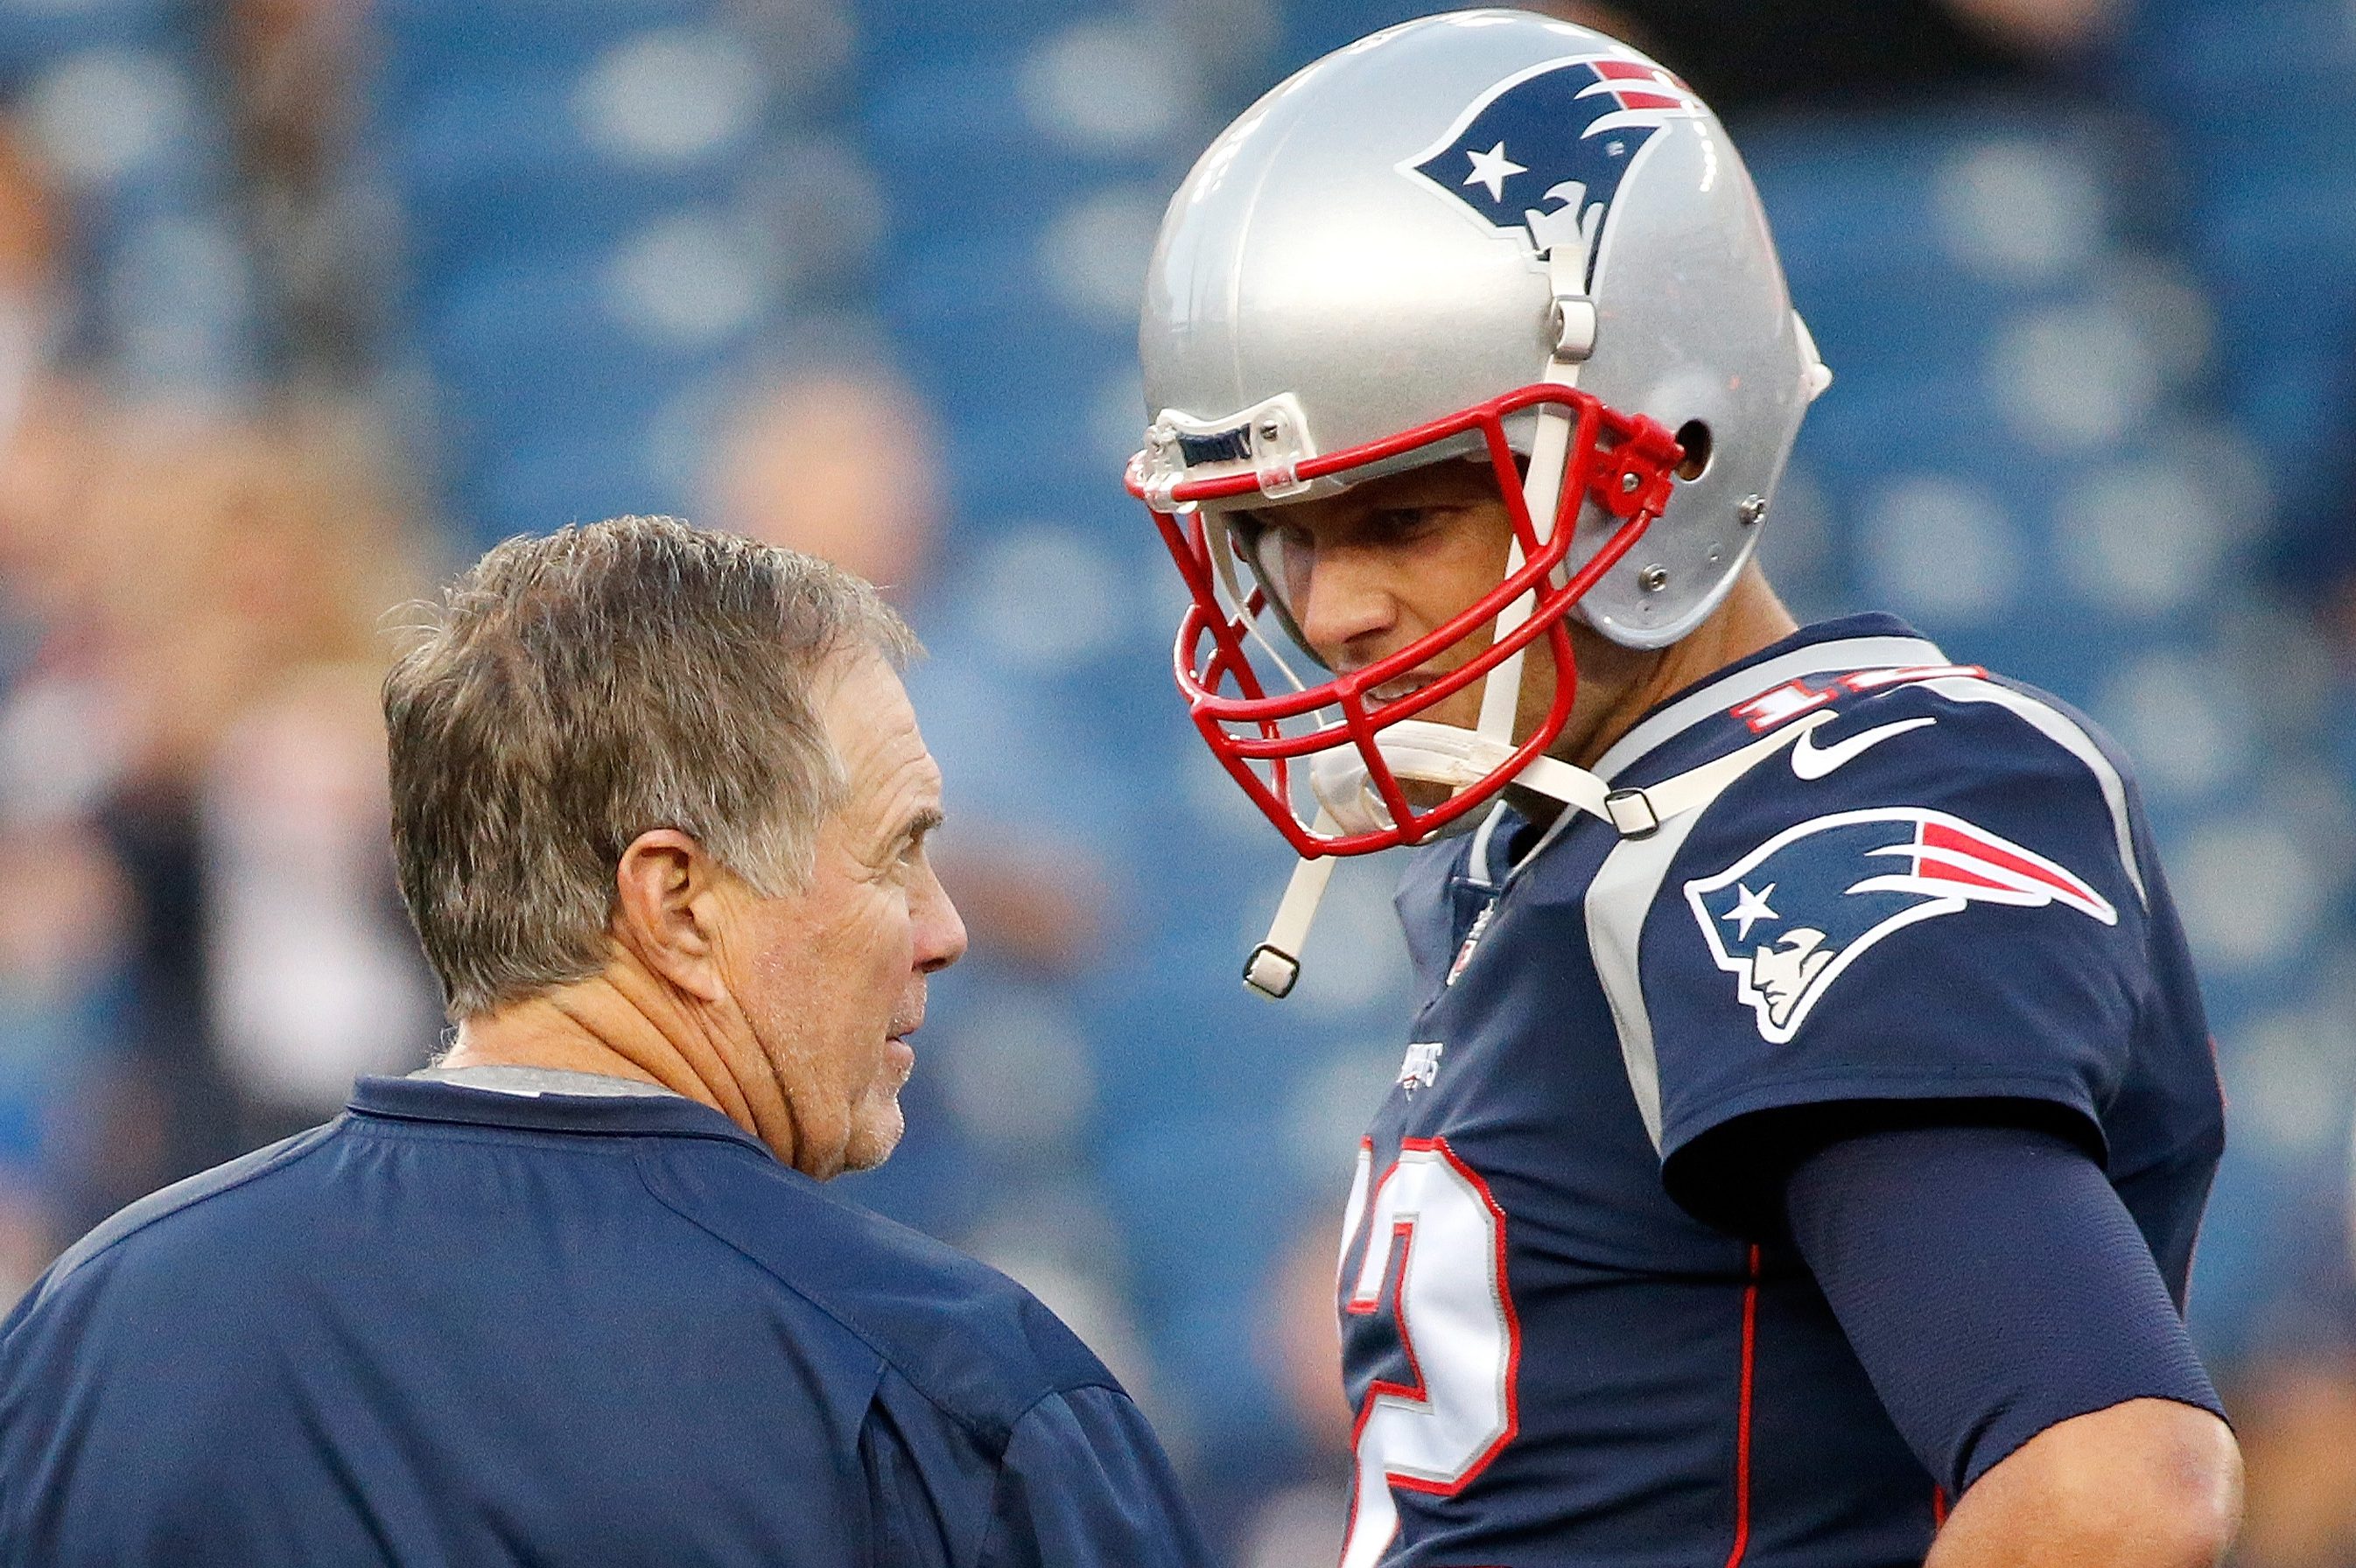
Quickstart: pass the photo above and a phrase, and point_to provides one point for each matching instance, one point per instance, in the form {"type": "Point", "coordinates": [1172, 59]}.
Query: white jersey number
{"type": "Point", "coordinates": [1454, 1321]}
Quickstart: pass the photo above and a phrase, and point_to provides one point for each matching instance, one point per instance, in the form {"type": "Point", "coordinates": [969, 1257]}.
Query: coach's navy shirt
{"type": "Point", "coordinates": [457, 1327]}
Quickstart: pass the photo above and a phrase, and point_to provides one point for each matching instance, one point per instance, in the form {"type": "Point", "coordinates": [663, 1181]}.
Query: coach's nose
{"type": "Point", "coordinates": [941, 936]}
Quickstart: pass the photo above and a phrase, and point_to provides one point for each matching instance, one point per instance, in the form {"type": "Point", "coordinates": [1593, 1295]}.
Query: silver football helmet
{"type": "Point", "coordinates": [1491, 234]}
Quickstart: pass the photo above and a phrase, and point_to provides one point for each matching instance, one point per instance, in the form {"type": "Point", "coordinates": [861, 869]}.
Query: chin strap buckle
{"type": "Point", "coordinates": [1633, 813]}
{"type": "Point", "coordinates": [1639, 813]}
{"type": "Point", "coordinates": [1271, 972]}
{"type": "Point", "coordinates": [1571, 320]}
{"type": "Point", "coordinates": [1275, 963]}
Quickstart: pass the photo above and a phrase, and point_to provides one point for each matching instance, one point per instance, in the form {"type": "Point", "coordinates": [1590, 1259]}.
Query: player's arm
{"type": "Point", "coordinates": [2149, 1481]}
{"type": "Point", "coordinates": [1085, 1484]}
{"type": "Point", "coordinates": [2005, 1305]}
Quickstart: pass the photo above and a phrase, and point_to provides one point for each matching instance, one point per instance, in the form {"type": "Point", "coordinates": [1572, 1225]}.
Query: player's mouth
{"type": "Point", "coordinates": [1400, 687]}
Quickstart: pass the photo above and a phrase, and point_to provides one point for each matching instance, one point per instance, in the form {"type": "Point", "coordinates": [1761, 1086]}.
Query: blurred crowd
{"type": "Point", "coordinates": [304, 301]}
{"type": "Point", "coordinates": [205, 943]}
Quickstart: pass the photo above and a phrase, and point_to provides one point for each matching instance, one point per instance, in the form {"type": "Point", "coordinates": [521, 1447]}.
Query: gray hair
{"type": "Point", "coordinates": [572, 693]}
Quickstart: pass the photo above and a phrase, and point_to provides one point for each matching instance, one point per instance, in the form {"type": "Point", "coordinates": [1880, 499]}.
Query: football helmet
{"type": "Point", "coordinates": [1478, 234]}
{"type": "Point", "coordinates": [1486, 234]}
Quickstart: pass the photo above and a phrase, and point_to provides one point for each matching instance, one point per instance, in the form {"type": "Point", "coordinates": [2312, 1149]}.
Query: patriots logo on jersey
{"type": "Point", "coordinates": [1545, 150]}
{"type": "Point", "coordinates": [1788, 917]}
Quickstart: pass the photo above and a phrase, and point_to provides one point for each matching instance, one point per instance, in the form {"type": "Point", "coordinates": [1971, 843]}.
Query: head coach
{"type": "Point", "coordinates": [575, 1295]}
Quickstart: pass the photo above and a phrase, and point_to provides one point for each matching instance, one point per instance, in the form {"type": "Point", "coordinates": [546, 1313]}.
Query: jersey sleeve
{"type": "Point", "coordinates": [1929, 905]}
{"type": "Point", "coordinates": [1085, 1484]}
{"type": "Point", "coordinates": [1992, 1285]}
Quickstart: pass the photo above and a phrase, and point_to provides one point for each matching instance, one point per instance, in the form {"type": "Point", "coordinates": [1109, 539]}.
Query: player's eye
{"type": "Point", "coordinates": [1274, 551]}
{"type": "Point", "coordinates": [1393, 525]}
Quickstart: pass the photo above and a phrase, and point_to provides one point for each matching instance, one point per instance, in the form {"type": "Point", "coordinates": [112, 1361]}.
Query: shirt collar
{"type": "Point", "coordinates": [502, 1078]}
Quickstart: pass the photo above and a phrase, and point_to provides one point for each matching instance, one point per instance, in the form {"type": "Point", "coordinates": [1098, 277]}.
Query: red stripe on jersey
{"type": "Point", "coordinates": [1940, 871]}
{"type": "Point", "coordinates": [1940, 836]}
{"type": "Point", "coordinates": [1742, 1418]}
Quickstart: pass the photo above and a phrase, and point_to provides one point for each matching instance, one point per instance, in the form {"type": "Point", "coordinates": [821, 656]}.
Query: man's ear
{"type": "Point", "coordinates": [664, 906]}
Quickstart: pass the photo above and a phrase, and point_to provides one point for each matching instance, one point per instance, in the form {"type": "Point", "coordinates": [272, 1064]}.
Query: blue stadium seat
{"type": "Point", "coordinates": [2206, 58]}
{"type": "Point", "coordinates": [555, 481]}
{"type": "Point", "coordinates": [33, 34]}
{"type": "Point", "coordinates": [550, 32]}
{"type": "Point", "coordinates": [491, 166]}
{"type": "Point", "coordinates": [1851, 197]}
{"type": "Point", "coordinates": [900, 33]}
{"type": "Point", "coordinates": [956, 144]}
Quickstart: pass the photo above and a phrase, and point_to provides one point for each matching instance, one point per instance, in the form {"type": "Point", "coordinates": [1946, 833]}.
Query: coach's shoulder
{"type": "Point", "coordinates": [964, 1335]}
{"type": "Point", "coordinates": [158, 1219]}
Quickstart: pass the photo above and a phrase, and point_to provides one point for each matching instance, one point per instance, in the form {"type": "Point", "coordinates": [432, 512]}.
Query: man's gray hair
{"type": "Point", "coordinates": [572, 693]}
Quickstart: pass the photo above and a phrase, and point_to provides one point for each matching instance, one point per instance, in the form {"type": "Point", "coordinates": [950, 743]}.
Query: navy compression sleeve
{"type": "Point", "coordinates": [1992, 1285]}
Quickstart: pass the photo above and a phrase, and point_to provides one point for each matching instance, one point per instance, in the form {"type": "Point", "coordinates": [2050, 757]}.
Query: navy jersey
{"type": "Point", "coordinates": [1563, 1344]}
{"type": "Point", "coordinates": [463, 1328]}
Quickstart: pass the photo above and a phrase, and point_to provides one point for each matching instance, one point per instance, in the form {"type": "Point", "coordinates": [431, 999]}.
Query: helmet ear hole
{"type": "Point", "coordinates": [1694, 436]}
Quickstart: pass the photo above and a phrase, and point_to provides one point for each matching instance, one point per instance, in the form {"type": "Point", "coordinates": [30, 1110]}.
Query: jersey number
{"type": "Point", "coordinates": [1455, 1323]}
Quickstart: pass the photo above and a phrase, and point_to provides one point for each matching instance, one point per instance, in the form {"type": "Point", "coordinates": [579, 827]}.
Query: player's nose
{"type": "Point", "coordinates": [1345, 603]}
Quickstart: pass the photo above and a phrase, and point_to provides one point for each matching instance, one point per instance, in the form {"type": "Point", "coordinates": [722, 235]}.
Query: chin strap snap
{"type": "Point", "coordinates": [1639, 813]}
{"type": "Point", "coordinates": [1274, 967]}
{"type": "Point", "coordinates": [1275, 963]}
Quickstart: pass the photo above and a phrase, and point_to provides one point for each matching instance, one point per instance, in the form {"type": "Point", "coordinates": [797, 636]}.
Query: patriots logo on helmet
{"type": "Point", "coordinates": [1788, 917]}
{"type": "Point", "coordinates": [1545, 150]}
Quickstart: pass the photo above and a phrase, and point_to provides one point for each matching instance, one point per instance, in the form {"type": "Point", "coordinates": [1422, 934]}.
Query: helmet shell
{"type": "Point", "coordinates": [1320, 254]}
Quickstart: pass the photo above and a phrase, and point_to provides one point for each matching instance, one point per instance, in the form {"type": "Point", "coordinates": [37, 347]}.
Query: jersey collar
{"type": "Point", "coordinates": [1852, 641]}
{"type": "Point", "coordinates": [1871, 641]}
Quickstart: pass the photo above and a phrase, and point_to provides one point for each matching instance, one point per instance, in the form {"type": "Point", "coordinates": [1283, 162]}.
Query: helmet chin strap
{"type": "Point", "coordinates": [1574, 332]}
{"type": "Point", "coordinates": [1444, 753]}
{"type": "Point", "coordinates": [1423, 753]}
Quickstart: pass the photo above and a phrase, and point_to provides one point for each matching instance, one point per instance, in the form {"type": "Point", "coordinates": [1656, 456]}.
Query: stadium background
{"type": "Point", "coordinates": [304, 301]}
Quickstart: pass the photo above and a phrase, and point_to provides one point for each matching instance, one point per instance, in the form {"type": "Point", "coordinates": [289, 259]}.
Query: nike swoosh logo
{"type": "Point", "coordinates": [1811, 761]}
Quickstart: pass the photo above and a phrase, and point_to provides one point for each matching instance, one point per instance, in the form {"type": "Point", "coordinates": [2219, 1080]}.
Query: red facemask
{"type": "Point", "coordinates": [1622, 463]}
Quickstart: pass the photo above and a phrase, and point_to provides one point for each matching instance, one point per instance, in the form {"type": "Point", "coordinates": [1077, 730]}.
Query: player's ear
{"type": "Point", "coordinates": [663, 908]}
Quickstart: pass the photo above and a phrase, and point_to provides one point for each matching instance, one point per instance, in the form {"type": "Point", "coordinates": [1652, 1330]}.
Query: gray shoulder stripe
{"type": "Point", "coordinates": [2065, 732]}
{"type": "Point", "coordinates": [1620, 898]}
{"type": "Point", "coordinates": [184, 1194]}
{"type": "Point", "coordinates": [1622, 893]}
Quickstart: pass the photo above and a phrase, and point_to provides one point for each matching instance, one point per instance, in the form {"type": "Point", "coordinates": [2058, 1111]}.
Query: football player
{"type": "Point", "coordinates": [1808, 1108]}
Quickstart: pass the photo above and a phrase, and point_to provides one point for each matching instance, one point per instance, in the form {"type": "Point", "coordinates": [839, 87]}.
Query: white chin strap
{"type": "Point", "coordinates": [1443, 754]}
